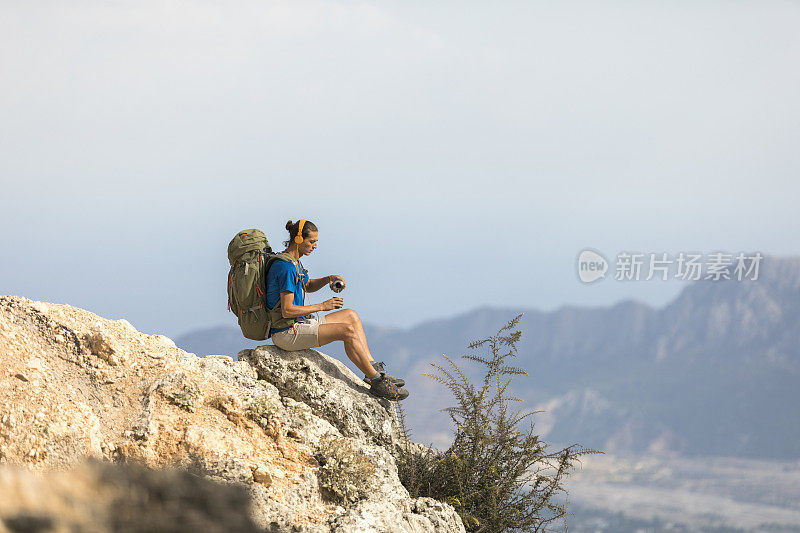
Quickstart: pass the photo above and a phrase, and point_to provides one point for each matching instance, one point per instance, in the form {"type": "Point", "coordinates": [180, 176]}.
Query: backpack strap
{"type": "Point", "coordinates": [278, 322]}
{"type": "Point", "coordinates": [286, 256]}
{"type": "Point", "coordinates": [300, 271]}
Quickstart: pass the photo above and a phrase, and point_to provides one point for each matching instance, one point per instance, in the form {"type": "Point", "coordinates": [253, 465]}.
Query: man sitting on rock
{"type": "Point", "coordinates": [293, 327]}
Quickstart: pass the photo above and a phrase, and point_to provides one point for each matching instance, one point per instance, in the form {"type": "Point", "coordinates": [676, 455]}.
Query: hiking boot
{"type": "Point", "coordinates": [383, 387]}
{"type": "Point", "coordinates": [379, 367]}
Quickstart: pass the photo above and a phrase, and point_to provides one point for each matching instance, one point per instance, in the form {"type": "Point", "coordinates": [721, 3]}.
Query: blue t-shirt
{"type": "Point", "coordinates": [282, 276]}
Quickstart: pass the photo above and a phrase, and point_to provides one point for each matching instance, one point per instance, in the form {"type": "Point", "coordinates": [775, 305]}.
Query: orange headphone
{"type": "Point", "coordinates": [299, 237]}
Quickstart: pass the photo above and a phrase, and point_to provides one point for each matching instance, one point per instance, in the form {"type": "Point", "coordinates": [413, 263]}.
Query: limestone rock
{"type": "Point", "coordinates": [261, 475]}
{"type": "Point", "coordinates": [330, 389]}
{"type": "Point", "coordinates": [267, 424]}
{"type": "Point", "coordinates": [101, 344]}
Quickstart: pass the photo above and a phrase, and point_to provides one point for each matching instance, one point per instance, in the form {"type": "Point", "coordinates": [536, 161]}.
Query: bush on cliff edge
{"type": "Point", "coordinates": [497, 477]}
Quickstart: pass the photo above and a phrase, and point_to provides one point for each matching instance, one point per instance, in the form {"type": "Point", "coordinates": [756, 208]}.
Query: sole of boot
{"type": "Point", "coordinates": [391, 397]}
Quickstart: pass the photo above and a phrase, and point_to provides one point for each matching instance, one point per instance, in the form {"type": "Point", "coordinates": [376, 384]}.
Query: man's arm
{"type": "Point", "coordinates": [290, 310]}
{"type": "Point", "coordinates": [316, 284]}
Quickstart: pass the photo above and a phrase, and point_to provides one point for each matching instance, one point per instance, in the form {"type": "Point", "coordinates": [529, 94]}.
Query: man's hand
{"type": "Point", "coordinates": [335, 277]}
{"type": "Point", "coordinates": [333, 303]}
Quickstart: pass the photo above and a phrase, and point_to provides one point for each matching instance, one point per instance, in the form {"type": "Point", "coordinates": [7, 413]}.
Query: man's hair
{"type": "Point", "coordinates": [292, 227]}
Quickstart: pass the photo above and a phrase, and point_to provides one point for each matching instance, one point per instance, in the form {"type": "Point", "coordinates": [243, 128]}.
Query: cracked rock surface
{"type": "Point", "coordinates": [296, 432]}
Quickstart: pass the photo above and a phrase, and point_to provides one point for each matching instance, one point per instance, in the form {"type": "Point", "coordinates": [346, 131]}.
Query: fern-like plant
{"type": "Point", "coordinates": [497, 478]}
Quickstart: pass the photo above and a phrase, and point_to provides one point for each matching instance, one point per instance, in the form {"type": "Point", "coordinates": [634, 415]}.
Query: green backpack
{"type": "Point", "coordinates": [250, 257]}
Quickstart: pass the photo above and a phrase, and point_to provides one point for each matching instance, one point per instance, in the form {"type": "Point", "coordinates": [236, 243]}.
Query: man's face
{"type": "Point", "coordinates": [309, 244]}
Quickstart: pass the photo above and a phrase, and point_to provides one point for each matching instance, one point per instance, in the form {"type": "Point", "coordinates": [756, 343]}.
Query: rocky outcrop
{"type": "Point", "coordinates": [298, 431]}
{"type": "Point", "coordinates": [330, 389]}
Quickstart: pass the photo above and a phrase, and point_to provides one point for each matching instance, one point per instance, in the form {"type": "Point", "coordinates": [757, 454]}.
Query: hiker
{"type": "Point", "coordinates": [293, 327]}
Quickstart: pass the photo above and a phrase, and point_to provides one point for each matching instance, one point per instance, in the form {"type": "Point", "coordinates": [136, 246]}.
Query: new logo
{"type": "Point", "coordinates": [591, 266]}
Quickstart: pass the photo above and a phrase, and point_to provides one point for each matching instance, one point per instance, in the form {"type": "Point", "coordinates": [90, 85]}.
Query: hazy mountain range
{"type": "Point", "coordinates": [714, 372]}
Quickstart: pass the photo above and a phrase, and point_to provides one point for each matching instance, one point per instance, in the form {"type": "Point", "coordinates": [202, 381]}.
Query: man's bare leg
{"type": "Point", "coordinates": [354, 346]}
{"type": "Point", "coordinates": [349, 316]}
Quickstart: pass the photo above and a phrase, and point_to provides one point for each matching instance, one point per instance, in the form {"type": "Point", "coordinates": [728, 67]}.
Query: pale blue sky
{"type": "Point", "coordinates": [453, 154]}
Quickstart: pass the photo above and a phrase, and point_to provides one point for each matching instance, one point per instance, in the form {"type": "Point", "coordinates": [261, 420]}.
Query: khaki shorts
{"type": "Point", "coordinates": [301, 336]}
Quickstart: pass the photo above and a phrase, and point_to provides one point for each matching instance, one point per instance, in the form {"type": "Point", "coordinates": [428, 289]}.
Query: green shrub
{"type": "Point", "coordinates": [344, 471]}
{"type": "Point", "coordinates": [260, 410]}
{"type": "Point", "coordinates": [185, 397]}
{"type": "Point", "coordinates": [495, 476]}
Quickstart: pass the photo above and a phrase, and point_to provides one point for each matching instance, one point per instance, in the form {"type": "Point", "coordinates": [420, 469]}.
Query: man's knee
{"type": "Point", "coordinates": [352, 316]}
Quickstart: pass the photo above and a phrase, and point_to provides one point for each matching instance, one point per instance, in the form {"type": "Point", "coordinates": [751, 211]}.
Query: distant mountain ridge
{"type": "Point", "coordinates": [714, 372]}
